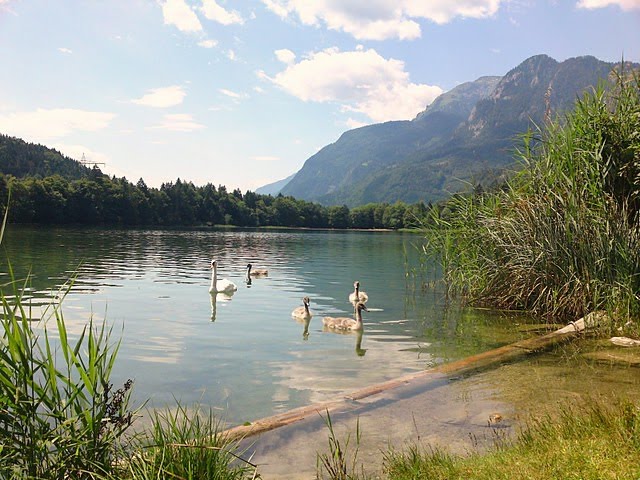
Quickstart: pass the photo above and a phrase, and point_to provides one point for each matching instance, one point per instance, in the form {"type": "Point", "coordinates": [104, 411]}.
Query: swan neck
{"type": "Point", "coordinates": [213, 276]}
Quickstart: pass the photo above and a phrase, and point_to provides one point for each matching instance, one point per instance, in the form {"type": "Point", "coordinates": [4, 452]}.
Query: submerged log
{"type": "Point", "coordinates": [477, 362]}
{"type": "Point", "coordinates": [625, 342]}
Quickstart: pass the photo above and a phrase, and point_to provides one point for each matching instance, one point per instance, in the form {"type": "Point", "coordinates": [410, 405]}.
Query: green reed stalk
{"type": "Point", "coordinates": [341, 463]}
{"type": "Point", "coordinates": [562, 236]}
{"type": "Point", "coordinates": [186, 445]}
{"type": "Point", "coordinates": [59, 416]}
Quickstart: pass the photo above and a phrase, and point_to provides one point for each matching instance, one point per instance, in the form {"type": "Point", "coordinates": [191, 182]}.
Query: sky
{"type": "Point", "coordinates": [240, 93]}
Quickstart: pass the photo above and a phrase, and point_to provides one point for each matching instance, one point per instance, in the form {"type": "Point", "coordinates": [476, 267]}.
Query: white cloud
{"type": "Point", "coordinates": [623, 4]}
{"type": "Point", "coordinates": [64, 50]}
{"type": "Point", "coordinates": [258, 89]}
{"type": "Point", "coordinates": [360, 81]}
{"type": "Point", "coordinates": [231, 55]}
{"type": "Point", "coordinates": [44, 124]}
{"type": "Point", "coordinates": [208, 43]}
{"type": "Point", "coordinates": [232, 94]}
{"type": "Point", "coordinates": [351, 123]}
{"type": "Point", "coordinates": [285, 55]}
{"type": "Point", "coordinates": [381, 19]}
{"type": "Point", "coordinates": [215, 12]}
{"type": "Point", "coordinates": [178, 122]}
{"type": "Point", "coordinates": [179, 14]}
{"type": "Point", "coordinates": [162, 97]}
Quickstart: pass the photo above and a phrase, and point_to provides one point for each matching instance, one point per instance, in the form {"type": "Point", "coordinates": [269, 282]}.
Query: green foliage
{"type": "Point", "coordinates": [115, 201]}
{"type": "Point", "coordinates": [20, 159]}
{"type": "Point", "coordinates": [59, 415]}
{"type": "Point", "coordinates": [341, 463]}
{"type": "Point", "coordinates": [186, 445]}
{"type": "Point", "coordinates": [562, 237]}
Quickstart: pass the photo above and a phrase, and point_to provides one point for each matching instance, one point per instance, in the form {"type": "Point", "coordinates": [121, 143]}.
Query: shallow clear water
{"type": "Point", "coordinates": [247, 356]}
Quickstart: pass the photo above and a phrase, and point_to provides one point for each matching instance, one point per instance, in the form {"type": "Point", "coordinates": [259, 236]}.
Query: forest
{"type": "Point", "coordinates": [97, 199]}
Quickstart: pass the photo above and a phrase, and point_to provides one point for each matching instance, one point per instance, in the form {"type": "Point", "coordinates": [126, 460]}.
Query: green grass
{"type": "Point", "coordinates": [598, 442]}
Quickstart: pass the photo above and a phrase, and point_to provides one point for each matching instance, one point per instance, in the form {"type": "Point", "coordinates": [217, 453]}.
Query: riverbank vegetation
{"type": "Point", "coordinates": [96, 199]}
{"type": "Point", "coordinates": [562, 237]}
{"type": "Point", "coordinates": [600, 441]}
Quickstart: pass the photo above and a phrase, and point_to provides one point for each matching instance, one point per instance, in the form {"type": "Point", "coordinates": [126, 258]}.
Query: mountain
{"type": "Point", "coordinates": [466, 134]}
{"type": "Point", "coordinates": [23, 159]}
{"type": "Point", "coordinates": [275, 187]}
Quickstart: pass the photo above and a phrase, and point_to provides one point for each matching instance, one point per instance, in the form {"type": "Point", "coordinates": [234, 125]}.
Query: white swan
{"type": "Point", "coordinates": [302, 313]}
{"type": "Point", "coordinates": [256, 272]}
{"type": "Point", "coordinates": [223, 285]}
{"type": "Point", "coordinates": [345, 323]}
{"type": "Point", "coordinates": [357, 295]}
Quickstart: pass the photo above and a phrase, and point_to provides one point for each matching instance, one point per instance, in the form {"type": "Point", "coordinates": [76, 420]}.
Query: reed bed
{"type": "Point", "coordinates": [561, 237]}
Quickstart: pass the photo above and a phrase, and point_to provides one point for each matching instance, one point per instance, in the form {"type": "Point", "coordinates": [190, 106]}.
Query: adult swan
{"type": "Point", "coordinates": [222, 286]}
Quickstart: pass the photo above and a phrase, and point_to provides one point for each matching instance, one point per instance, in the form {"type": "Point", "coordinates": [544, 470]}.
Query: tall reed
{"type": "Point", "coordinates": [60, 417]}
{"type": "Point", "coordinates": [562, 236]}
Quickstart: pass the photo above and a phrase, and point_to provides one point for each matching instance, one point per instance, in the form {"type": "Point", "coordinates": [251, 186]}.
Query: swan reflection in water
{"type": "Point", "coordinates": [219, 297]}
{"type": "Point", "coordinates": [357, 333]}
{"type": "Point", "coordinates": [303, 315]}
{"type": "Point", "coordinates": [346, 325]}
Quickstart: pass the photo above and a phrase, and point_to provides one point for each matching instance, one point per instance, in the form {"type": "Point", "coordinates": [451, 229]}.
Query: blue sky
{"type": "Point", "coordinates": [241, 93]}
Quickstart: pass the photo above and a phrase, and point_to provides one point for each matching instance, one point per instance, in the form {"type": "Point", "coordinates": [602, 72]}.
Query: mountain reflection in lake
{"type": "Point", "coordinates": [243, 353]}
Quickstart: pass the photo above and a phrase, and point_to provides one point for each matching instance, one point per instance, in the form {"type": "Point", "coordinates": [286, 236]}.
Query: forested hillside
{"type": "Point", "coordinates": [100, 200]}
{"type": "Point", "coordinates": [21, 159]}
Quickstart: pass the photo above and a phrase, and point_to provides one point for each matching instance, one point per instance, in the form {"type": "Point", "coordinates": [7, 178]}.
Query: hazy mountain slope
{"type": "Point", "coordinates": [275, 187]}
{"type": "Point", "coordinates": [360, 155]}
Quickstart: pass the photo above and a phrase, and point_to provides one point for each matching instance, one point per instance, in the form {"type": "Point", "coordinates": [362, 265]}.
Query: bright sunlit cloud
{"type": "Point", "coordinates": [162, 97]}
{"type": "Point", "coordinates": [232, 94]}
{"type": "Point", "coordinates": [381, 19]}
{"type": "Point", "coordinates": [285, 55]}
{"type": "Point", "coordinates": [45, 124]}
{"type": "Point", "coordinates": [360, 81]}
{"type": "Point", "coordinates": [219, 14]}
{"type": "Point", "coordinates": [64, 50]}
{"type": "Point", "coordinates": [178, 122]}
{"type": "Point", "coordinates": [208, 43]}
{"type": "Point", "coordinates": [623, 4]}
{"type": "Point", "coordinates": [180, 15]}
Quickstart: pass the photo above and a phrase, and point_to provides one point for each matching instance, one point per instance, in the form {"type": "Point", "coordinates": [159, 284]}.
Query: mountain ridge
{"type": "Point", "coordinates": [467, 134]}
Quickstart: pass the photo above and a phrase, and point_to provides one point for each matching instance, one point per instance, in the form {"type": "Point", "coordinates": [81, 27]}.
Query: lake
{"type": "Point", "coordinates": [246, 356]}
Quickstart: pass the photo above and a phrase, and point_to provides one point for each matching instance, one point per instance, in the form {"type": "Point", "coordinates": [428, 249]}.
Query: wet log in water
{"type": "Point", "coordinates": [467, 365]}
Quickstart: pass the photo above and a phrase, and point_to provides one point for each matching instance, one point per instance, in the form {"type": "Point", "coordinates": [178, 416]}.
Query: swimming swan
{"type": "Point", "coordinates": [302, 313]}
{"type": "Point", "coordinates": [357, 295]}
{"type": "Point", "coordinates": [223, 285]}
{"type": "Point", "coordinates": [256, 272]}
{"type": "Point", "coordinates": [345, 323]}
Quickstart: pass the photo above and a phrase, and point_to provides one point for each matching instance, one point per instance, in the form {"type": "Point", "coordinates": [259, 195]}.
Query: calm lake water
{"type": "Point", "coordinates": [247, 356]}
